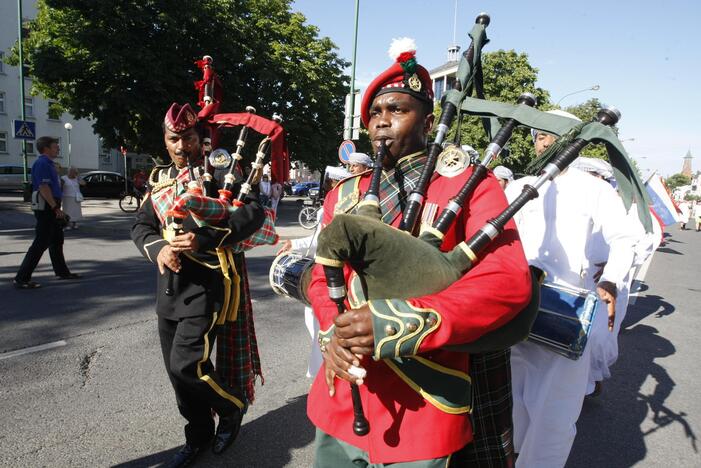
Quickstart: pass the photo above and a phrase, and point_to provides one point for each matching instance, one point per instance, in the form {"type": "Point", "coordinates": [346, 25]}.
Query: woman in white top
{"type": "Point", "coordinates": [72, 198]}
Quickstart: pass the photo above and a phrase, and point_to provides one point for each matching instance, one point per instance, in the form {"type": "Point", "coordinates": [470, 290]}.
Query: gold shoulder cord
{"type": "Point", "coordinates": [157, 186]}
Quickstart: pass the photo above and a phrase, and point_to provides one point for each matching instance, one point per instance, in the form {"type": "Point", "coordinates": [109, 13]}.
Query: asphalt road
{"type": "Point", "coordinates": [97, 394]}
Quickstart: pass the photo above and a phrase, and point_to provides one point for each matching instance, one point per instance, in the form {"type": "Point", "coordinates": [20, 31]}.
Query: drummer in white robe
{"type": "Point", "coordinates": [556, 232]}
{"type": "Point", "coordinates": [307, 246]}
{"type": "Point", "coordinates": [604, 345]}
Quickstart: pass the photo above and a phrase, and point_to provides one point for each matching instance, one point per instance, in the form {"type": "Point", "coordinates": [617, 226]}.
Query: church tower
{"type": "Point", "coordinates": [686, 168]}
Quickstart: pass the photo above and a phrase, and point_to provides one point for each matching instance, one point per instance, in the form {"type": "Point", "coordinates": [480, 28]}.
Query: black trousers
{"type": "Point", "coordinates": [48, 235]}
{"type": "Point", "coordinates": [186, 345]}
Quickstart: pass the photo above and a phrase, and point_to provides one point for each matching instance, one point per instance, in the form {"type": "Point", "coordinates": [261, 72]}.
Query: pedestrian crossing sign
{"type": "Point", "coordinates": [25, 130]}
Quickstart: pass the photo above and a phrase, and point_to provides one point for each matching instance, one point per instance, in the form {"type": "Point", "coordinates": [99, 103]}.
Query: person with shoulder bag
{"type": "Point", "coordinates": [46, 203]}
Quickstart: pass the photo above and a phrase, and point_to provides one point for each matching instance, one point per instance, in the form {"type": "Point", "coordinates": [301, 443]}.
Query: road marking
{"type": "Point", "coordinates": [32, 349]}
{"type": "Point", "coordinates": [16, 230]}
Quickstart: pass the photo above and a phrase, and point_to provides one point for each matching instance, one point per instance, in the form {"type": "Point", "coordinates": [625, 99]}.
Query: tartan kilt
{"type": "Point", "coordinates": [238, 361]}
{"type": "Point", "coordinates": [492, 423]}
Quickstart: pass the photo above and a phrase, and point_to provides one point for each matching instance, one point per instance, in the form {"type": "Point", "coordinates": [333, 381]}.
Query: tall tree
{"type": "Point", "coordinates": [122, 62]}
{"type": "Point", "coordinates": [507, 74]}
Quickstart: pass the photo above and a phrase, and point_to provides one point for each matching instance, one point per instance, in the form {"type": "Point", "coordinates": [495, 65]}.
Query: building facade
{"type": "Point", "coordinates": [86, 150]}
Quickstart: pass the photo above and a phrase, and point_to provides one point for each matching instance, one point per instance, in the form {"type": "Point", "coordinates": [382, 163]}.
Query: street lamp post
{"type": "Point", "coordinates": [591, 88]}
{"type": "Point", "coordinates": [68, 126]}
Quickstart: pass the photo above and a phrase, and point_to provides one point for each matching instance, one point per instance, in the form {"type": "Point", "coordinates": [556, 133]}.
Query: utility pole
{"type": "Point", "coordinates": [351, 107]}
{"type": "Point", "coordinates": [26, 186]}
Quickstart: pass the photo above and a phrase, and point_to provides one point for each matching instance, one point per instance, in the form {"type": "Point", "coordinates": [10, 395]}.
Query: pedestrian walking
{"type": "Point", "coordinates": [46, 204]}
{"type": "Point", "coordinates": [72, 197]}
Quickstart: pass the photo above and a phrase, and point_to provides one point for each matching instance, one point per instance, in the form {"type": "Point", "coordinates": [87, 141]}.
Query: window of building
{"type": "Point", "coordinates": [29, 107]}
{"type": "Point", "coordinates": [30, 147]}
{"type": "Point", "coordinates": [439, 88]}
{"type": "Point", "coordinates": [2, 102]}
{"type": "Point", "coordinates": [55, 111]}
{"type": "Point", "coordinates": [3, 142]}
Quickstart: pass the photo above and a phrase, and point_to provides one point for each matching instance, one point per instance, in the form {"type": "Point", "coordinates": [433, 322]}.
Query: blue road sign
{"type": "Point", "coordinates": [344, 151]}
{"type": "Point", "coordinates": [25, 130]}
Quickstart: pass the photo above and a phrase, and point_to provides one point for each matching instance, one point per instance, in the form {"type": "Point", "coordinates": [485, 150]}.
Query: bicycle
{"type": "Point", "coordinates": [308, 216]}
{"type": "Point", "coordinates": [131, 201]}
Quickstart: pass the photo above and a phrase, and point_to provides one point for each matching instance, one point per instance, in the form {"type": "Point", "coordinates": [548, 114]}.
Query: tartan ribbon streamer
{"type": "Point", "coordinates": [266, 235]}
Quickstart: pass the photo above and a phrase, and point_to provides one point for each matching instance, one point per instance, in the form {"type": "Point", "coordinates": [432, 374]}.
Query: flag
{"type": "Point", "coordinates": [662, 203]}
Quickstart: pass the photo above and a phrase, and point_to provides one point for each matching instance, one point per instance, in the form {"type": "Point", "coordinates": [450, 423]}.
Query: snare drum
{"type": "Point", "coordinates": [290, 275]}
{"type": "Point", "coordinates": [564, 320]}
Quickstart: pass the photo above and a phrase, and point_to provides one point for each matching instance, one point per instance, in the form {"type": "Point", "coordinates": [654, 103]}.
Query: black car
{"type": "Point", "coordinates": [103, 184]}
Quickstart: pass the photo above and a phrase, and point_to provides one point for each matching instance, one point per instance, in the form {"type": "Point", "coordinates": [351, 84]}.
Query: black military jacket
{"type": "Point", "coordinates": [198, 287]}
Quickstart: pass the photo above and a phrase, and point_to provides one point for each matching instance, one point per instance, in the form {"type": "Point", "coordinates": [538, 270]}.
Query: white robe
{"type": "Point", "coordinates": [556, 230]}
{"type": "Point", "coordinates": [605, 345]}
{"type": "Point", "coordinates": [307, 247]}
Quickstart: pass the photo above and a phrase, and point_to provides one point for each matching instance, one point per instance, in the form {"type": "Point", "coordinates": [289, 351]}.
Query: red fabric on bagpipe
{"type": "Point", "coordinates": [279, 156]}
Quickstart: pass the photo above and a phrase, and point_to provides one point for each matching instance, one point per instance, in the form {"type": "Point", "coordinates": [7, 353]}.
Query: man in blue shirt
{"type": "Point", "coordinates": [49, 227]}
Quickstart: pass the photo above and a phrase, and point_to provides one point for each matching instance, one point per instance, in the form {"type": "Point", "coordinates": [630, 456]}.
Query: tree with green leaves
{"type": "Point", "coordinates": [123, 62]}
{"type": "Point", "coordinates": [677, 180]}
{"type": "Point", "coordinates": [507, 74]}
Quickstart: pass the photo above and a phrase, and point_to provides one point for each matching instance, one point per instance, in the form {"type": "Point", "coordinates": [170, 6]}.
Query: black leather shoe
{"type": "Point", "coordinates": [227, 430]}
{"type": "Point", "coordinates": [69, 276]}
{"type": "Point", "coordinates": [184, 457]}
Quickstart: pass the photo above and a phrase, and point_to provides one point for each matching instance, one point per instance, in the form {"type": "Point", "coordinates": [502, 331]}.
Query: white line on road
{"type": "Point", "coordinates": [32, 349]}
{"type": "Point", "coordinates": [16, 230]}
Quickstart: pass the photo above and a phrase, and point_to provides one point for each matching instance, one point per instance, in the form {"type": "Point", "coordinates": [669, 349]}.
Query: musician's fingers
{"type": "Point", "coordinates": [612, 314]}
{"type": "Point", "coordinates": [330, 377]}
{"type": "Point", "coordinates": [362, 350]}
{"type": "Point", "coordinates": [365, 342]}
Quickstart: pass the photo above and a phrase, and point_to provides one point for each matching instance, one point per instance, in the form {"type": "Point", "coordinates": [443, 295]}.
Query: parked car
{"type": "Point", "coordinates": [11, 177]}
{"type": "Point", "coordinates": [103, 184]}
{"type": "Point", "coordinates": [302, 188]}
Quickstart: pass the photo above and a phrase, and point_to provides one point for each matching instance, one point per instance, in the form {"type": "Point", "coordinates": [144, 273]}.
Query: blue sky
{"type": "Point", "coordinates": [645, 55]}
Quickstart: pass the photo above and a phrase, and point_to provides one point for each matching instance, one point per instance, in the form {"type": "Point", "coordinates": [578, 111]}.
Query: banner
{"type": "Point", "coordinates": [662, 203]}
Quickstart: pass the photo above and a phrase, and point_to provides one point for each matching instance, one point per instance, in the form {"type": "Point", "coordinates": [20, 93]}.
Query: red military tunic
{"type": "Point", "coordinates": [404, 425]}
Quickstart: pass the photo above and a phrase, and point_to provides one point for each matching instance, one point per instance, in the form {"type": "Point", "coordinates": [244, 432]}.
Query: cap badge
{"type": "Point", "coordinates": [414, 83]}
{"type": "Point", "coordinates": [452, 161]}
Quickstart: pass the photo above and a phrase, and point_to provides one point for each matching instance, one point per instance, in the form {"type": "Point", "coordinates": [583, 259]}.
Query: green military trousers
{"type": "Point", "coordinates": [333, 453]}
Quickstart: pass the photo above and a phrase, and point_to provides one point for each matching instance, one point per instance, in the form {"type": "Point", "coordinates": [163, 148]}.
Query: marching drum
{"type": "Point", "coordinates": [564, 319]}
{"type": "Point", "coordinates": [290, 275]}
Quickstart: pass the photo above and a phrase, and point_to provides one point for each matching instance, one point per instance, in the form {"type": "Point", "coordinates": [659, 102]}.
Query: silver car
{"type": "Point", "coordinates": [12, 176]}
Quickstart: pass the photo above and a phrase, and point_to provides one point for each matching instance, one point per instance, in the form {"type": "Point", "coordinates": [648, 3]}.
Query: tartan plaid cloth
{"type": "Point", "coordinates": [397, 184]}
{"type": "Point", "coordinates": [238, 361]}
{"type": "Point", "coordinates": [207, 210]}
{"type": "Point", "coordinates": [492, 423]}
{"type": "Point", "coordinates": [266, 235]}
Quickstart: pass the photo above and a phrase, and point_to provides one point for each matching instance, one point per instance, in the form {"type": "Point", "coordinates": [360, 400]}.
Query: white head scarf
{"type": "Point", "coordinates": [503, 172]}
{"type": "Point", "coordinates": [360, 158]}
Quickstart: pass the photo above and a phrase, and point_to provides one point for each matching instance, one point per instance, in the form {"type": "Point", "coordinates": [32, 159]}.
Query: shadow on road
{"type": "Point", "coordinates": [263, 442]}
{"type": "Point", "coordinates": [645, 306]}
{"type": "Point", "coordinates": [610, 429]}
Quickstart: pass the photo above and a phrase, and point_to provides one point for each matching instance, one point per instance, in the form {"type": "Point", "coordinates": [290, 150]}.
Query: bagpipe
{"type": "Point", "coordinates": [391, 264]}
{"type": "Point", "coordinates": [206, 210]}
